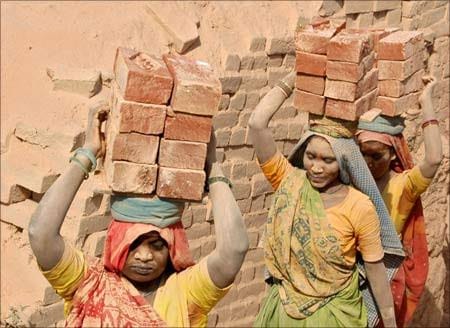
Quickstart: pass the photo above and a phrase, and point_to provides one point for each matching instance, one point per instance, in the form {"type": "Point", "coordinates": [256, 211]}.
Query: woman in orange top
{"type": "Point", "coordinates": [401, 184]}
{"type": "Point", "coordinates": [318, 224]}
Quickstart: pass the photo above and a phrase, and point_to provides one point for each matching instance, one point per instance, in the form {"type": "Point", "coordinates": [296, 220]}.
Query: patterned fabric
{"type": "Point", "coordinates": [346, 309]}
{"type": "Point", "coordinates": [156, 211]}
{"type": "Point", "coordinates": [409, 282]}
{"type": "Point", "coordinates": [353, 169]}
{"type": "Point", "coordinates": [382, 124]}
{"type": "Point", "coordinates": [105, 298]}
{"type": "Point", "coordinates": [333, 127]}
{"type": "Point", "coordinates": [301, 248]}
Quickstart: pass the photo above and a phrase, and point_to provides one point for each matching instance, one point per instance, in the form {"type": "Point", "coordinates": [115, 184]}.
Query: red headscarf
{"type": "Point", "coordinates": [409, 282]}
{"type": "Point", "coordinates": [105, 297]}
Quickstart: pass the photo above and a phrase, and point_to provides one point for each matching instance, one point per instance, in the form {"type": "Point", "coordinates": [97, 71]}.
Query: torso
{"type": "Point", "coordinates": [330, 200]}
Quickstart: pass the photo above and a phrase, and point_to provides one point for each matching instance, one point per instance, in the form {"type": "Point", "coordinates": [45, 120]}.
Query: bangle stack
{"type": "Point", "coordinates": [432, 121]}
{"type": "Point", "coordinates": [87, 153]}
{"type": "Point", "coordinates": [287, 90]}
{"type": "Point", "coordinates": [212, 180]}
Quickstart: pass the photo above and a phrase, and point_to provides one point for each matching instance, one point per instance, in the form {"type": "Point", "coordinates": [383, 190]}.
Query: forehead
{"type": "Point", "coordinates": [320, 147]}
{"type": "Point", "coordinates": [150, 236]}
{"type": "Point", "coordinates": [373, 146]}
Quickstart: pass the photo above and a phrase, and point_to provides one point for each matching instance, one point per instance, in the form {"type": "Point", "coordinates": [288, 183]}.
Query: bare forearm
{"type": "Point", "coordinates": [231, 234]}
{"type": "Point", "coordinates": [432, 141]}
{"type": "Point", "coordinates": [259, 133]}
{"type": "Point", "coordinates": [376, 274]}
{"type": "Point", "coordinates": [46, 222]}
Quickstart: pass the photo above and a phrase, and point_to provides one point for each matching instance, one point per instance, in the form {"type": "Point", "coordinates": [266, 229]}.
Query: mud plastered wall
{"type": "Point", "coordinates": [248, 61]}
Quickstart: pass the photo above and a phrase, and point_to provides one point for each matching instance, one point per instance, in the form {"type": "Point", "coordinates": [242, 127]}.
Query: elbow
{"type": "Point", "coordinates": [435, 161]}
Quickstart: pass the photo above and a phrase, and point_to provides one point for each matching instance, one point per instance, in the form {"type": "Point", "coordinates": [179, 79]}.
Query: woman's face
{"type": "Point", "coordinates": [319, 161]}
{"type": "Point", "coordinates": [147, 259]}
{"type": "Point", "coordinates": [378, 157]}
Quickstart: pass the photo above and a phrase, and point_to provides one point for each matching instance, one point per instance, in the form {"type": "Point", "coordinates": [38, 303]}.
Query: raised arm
{"type": "Point", "coordinates": [231, 236]}
{"type": "Point", "coordinates": [45, 224]}
{"type": "Point", "coordinates": [260, 135]}
{"type": "Point", "coordinates": [432, 138]}
{"type": "Point", "coordinates": [376, 274]}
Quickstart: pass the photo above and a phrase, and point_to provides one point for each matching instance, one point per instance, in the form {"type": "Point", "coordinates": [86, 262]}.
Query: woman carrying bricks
{"type": "Point", "coordinates": [146, 277]}
{"type": "Point", "coordinates": [319, 225]}
{"type": "Point", "coordinates": [401, 184]}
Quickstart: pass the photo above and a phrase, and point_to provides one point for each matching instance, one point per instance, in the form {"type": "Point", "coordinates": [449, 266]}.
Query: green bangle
{"type": "Point", "coordinates": [89, 154]}
{"type": "Point", "coordinates": [220, 179]}
{"type": "Point", "coordinates": [83, 168]}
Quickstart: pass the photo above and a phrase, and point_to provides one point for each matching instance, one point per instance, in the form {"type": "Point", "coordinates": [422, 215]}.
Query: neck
{"type": "Point", "coordinates": [331, 188]}
{"type": "Point", "coordinates": [148, 286]}
{"type": "Point", "coordinates": [383, 180]}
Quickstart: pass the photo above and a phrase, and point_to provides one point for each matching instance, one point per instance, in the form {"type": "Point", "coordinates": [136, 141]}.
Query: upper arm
{"type": "Point", "coordinates": [201, 289]}
{"type": "Point", "coordinates": [222, 270]}
{"type": "Point", "coordinates": [275, 169]}
{"type": "Point", "coordinates": [416, 183]}
{"type": "Point", "coordinates": [367, 232]}
{"type": "Point", "coordinates": [48, 251]}
{"type": "Point", "coordinates": [66, 275]}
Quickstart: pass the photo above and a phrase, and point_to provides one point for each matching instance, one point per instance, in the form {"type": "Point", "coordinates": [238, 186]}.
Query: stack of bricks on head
{"type": "Point", "coordinates": [344, 73]}
{"type": "Point", "coordinates": [159, 125]}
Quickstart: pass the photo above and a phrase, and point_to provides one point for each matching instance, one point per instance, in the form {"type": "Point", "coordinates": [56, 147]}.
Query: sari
{"type": "Point", "coordinates": [409, 281]}
{"type": "Point", "coordinates": [105, 298]}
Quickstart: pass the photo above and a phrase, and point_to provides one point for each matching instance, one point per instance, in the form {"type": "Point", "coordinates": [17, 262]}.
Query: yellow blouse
{"type": "Point", "coordinates": [402, 192]}
{"type": "Point", "coordinates": [183, 301]}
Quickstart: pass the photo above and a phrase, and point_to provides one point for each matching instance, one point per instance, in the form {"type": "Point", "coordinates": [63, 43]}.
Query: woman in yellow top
{"type": "Point", "coordinates": [317, 226]}
{"type": "Point", "coordinates": [401, 184]}
{"type": "Point", "coordinates": [146, 277]}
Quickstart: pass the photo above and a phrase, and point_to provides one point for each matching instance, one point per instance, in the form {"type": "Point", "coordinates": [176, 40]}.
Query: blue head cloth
{"type": "Point", "coordinates": [383, 124]}
{"type": "Point", "coordinates": [156, 211]}
{"type": "Point", "coordinates": [353, 170]}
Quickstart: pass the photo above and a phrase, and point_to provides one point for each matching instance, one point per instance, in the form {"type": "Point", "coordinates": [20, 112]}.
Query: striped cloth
{"type": "Point", "coordinates": [156, 211]}
{"type": "Point", "coordinates": [354, 170]}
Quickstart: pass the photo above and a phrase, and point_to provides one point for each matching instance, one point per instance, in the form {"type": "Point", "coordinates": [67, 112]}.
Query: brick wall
{"type": "Point", "coordinates": [246, 77]}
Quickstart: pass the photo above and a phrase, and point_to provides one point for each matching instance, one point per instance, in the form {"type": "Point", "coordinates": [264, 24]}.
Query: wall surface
{"type": "Point", "coordinates": [250, 46]}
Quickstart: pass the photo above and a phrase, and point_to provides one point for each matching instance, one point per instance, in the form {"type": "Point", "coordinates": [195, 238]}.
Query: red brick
{"type": "Point", "coordinates": [136, 148]}
{"type": "Point", "coordinates": [395, 88]}
{"type": "Point", "coordinates": [180, 183]}
{"type": "Point", "coordinates": [400, 45]}
{"type": "Point", "coordinates": [310, 83]}
{"type": "Point", "coordinates": [350, 47]}
{"type": "Point", "coordinates": [142, 77]}
{"type": "Point", "coordinates": [376, 33]}
{"type": "Point", "coordinates": [138, 117]}
{"type": "Point", "coordinates": [349, 91]}
{"type": "Point", "coordinates": [350, 111]}
{"type": "Point", "coordinates": [182, 154]}
{"type": "Point", "coordinates": [400, 70]}
{"type": "Point", "coordinates": [197, 90]}
{"type": "Point", "coordinates": [351, 72]}
{"type": "Point", "coordinates": [133, 178]}
{"type": "Point", "coordinates": [188, 128]}
{"type": "Point", "coordinates": [311, 63]}
{"type": "Point", "coordinates": [309, 102]}
{"type": "Point", "coordinates": [314, 41]}
{"type": "Point", "coordinates": [396, 106]}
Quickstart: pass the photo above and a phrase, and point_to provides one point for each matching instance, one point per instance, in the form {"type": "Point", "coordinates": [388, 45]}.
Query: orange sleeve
{"type": "Point", "coordinates": [367, 232]}
{"type": "Point", "coordinates": [276, 168]}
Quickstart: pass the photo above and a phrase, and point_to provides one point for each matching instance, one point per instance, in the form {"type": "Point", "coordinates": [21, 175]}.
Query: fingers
{"type": "Point", "coordinates": [428, 79]}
